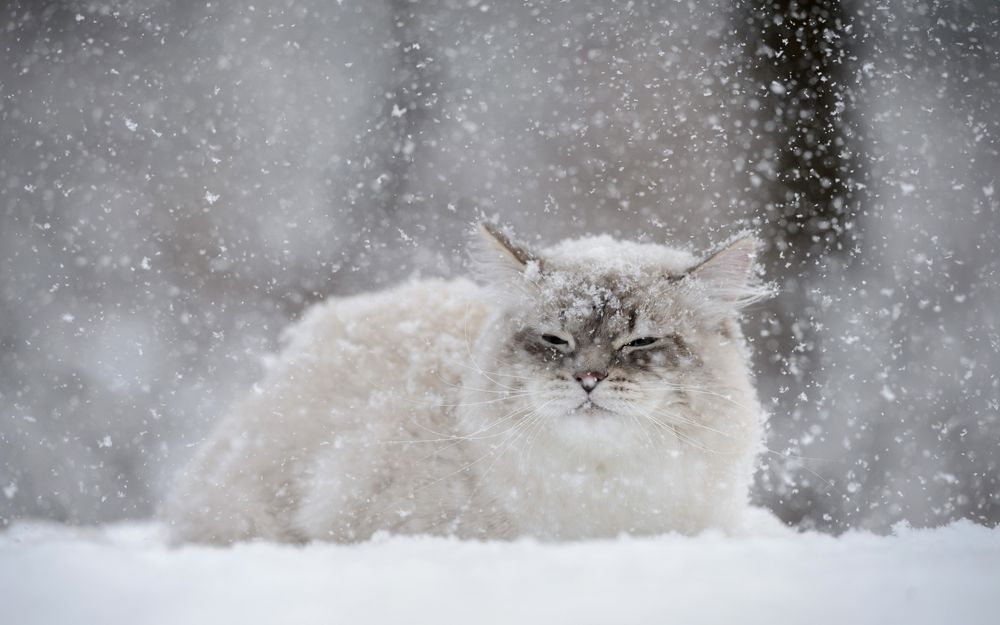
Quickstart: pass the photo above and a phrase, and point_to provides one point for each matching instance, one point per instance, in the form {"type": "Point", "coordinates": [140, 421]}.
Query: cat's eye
{"type": "Point", "coordinates": [552, 339]}
{"type": "Point", "coordinates": [643, 342]}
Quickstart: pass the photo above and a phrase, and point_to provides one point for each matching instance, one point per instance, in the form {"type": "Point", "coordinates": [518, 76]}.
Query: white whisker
{"type": "Point", "coordinates": [694, 389]}
{"type": "Point", "coordinates": [688, 421]}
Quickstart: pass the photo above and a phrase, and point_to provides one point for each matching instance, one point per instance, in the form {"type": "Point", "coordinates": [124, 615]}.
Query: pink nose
{"type": "Point", "coordinates": [589, 379]}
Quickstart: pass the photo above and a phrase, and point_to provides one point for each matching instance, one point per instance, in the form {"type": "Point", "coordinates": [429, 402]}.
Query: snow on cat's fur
{"type": "Point", "coordinates": [594, 388]}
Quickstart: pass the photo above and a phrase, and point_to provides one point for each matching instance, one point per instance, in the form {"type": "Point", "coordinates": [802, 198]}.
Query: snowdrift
{"type": "Point", "coordinates": [126, 574]}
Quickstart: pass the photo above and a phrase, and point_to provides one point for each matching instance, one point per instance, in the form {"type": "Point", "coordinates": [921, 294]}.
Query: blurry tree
{"type": "Point", "coordinates": [379, 172]}
{"type": "Point", "coordinates": [805, 176]}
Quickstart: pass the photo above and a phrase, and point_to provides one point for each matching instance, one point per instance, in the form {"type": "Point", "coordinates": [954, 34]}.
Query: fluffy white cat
{"type": "Point", "coordinates": [594, 388]}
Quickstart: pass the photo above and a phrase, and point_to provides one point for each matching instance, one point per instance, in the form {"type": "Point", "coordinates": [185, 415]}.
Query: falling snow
{"type": "Point", "coordinates": [179, 181]}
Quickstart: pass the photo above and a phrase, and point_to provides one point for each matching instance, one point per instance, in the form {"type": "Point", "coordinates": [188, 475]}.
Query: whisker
{"type": "Point", "coordinates": [643, 428]}
{"type": "Point", "coordinates": [829, 483]}
{"type": "Point", "coordinates": [508, 389]}
{"type": "Point", "coordinates": [672, 428]}
{"type": "Point", "coordinates": [507, 397]}
{"type": "Point", "coordinates": [472, 436]}
{"type": "Point", "coordinates": [531, 420]}
{"type": "Point", "coordinates": [530, 443]}
{"type": "Point", "coordinates": [688, 421]}
{"type": "Point", "coordinates": [694, 389]}
{"type": "Point", "coordinates": [459, 439]}
{"type": "Point", "coordinates": [519, 427]}
{"type": "Point", "coordinates": [485, 371]}
{"type": "Point", "coordinates": [472, 358]}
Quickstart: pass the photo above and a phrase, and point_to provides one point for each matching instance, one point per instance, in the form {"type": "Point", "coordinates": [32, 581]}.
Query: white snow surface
{"type": "Point", "coordinates": [127, 574]}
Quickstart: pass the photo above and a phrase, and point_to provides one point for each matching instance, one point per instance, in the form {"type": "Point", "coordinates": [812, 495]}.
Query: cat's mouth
{"type": "Point", "coordinates": [589, 409]}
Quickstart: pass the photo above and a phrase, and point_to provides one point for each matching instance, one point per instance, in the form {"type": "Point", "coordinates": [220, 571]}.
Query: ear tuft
{"type": "Point", "coordinates": [729, 275]}
{"type": "Point", "coordinates": [498, 257]}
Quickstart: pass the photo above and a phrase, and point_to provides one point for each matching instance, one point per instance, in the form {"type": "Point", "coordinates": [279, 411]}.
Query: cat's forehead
{"type": "Point", "coordinates": [604, 254]}
{"type": "Point", "coordinates": [597, 285]}
{"type": "Point", "coordinates": [605, 303]}
{"type": "Point", "coordinates": [578, 293]}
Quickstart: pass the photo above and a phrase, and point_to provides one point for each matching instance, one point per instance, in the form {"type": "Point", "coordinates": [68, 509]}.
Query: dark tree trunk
{"type": "Point", "coordinates": [805, 150]}
{"type": "Point", "coordinates": [806, 181]}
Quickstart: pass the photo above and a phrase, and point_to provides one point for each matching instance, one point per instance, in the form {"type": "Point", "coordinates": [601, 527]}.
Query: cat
{"type": "Point", "coordinates": [591, 389]}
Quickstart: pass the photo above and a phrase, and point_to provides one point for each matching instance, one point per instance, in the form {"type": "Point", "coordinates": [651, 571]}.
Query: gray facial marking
{"type": "Point", "coordinates": [528, 340]}
{"type": "Point", "coordinates": [632, 317]}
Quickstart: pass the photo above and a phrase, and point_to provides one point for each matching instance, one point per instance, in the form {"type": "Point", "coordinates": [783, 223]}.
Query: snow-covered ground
{"type": "Point", "coordinates": [125, 574]}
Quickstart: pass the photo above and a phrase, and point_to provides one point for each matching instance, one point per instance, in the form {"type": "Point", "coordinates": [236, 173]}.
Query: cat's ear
{"type": "Point", "coordinates": [729, 276]}
{"type": "Point", "coordinates": [498, 257]}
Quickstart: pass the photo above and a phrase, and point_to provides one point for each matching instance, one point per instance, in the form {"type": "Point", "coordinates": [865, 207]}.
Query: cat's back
{"type": "Point", "coordinates": [402, 331]}
{"type": "Point", "coordinates": [355, 372]}
{"type": "Point", "coordinates": [348, 357]}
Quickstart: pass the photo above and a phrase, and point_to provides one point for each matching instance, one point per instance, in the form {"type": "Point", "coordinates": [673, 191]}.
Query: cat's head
{"type": "Point", "coordinates": [602, 338]}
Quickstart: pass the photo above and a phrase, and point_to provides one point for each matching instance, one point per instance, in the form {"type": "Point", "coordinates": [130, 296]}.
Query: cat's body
{"type": "Point", "coordinates": [526, 407]}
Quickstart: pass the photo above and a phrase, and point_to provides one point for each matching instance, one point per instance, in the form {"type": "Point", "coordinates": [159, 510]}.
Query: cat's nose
{"type": "Point", "coordinates": [589, 379]}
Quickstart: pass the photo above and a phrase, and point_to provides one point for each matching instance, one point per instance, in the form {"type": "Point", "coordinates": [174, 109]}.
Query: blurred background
{"type": "Point", "coordinates": [179, 180]}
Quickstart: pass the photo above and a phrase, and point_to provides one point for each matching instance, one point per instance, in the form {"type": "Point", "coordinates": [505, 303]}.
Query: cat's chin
{"type": "Point", "coordinates": [593, 429]}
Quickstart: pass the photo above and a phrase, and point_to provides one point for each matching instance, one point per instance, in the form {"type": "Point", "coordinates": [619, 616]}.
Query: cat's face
{"type": "Point", "coordinates": [592, 349]}
{"type": "Point", "coordinates": [598, 346]}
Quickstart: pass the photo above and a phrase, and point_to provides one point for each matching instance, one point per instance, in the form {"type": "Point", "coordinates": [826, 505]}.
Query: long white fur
{"type": "Point", "coordinates": [394, 411]}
